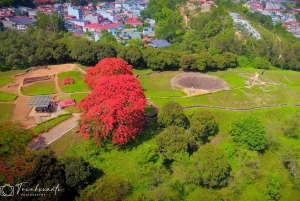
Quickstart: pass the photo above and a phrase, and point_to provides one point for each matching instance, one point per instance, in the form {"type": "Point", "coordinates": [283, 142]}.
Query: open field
{"type": "Point", "coordinates": [39, 88]}
{"type": "Point", "coordinates": [78, 86]}
{"type": "Point", "coordinates": [159, 84]}
{"type": "Point", "coordinates": [6, 110]}
{"type": "Point", "coordinates": [7, 97]}
{"type": "Point", "coordinates": [238, 96]}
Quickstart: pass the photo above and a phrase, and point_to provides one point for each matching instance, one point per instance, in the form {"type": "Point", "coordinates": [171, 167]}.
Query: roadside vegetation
{"type": "Point", "coordinates": [48, 124]}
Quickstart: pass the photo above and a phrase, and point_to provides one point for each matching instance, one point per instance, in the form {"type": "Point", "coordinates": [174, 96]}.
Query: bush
{"type": "Point", "coordinates": [249, 132]}
{"type": "Point", "coordinates": [203, 124]}
{"type": "Point", "coordinates": [172, 114]}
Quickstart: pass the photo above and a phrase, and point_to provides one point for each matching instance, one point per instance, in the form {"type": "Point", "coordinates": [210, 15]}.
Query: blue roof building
{"type": "Point", "coordinates": [160, 43]}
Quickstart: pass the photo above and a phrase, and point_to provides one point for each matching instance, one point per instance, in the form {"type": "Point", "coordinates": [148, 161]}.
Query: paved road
{"type": "Point", "coordinates": [56, 132]}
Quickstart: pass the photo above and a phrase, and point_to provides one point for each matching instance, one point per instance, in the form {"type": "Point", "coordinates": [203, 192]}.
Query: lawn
{"type": "Point", "coordinates": [46, 125]}
{"type": "Point", "coordinates": [78, 86]}
{"type": "Point", "coordinates": [6, 110]}
{"type": "Point", "coordinates": [159, 84]}
{"type": "Point", "coordinates": [7, 97]}
{"type": "Point", "coordinates": [141, 71]}
{"type": "Point", "coordinates": [39, 88]}
{"type": "Point", "coordinates": [7, 76]}
{"type": "Point", "coordinates": [232, 98]}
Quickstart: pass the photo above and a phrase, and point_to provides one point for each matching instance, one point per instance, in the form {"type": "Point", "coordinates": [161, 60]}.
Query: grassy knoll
{"type": "Point", "coordinates": [46, 125]}
{"type": "Point", "coordinates": [6, 77]}
{"type": "Point", "coordinates": [6, 110]}
{"type": "Point", "coordinates": [39, 88]}
{"type": "Point", "coordinates": [136, 165]}
{"type": "Point", "coordinates": [159, 84]}
{"type": "Point", "coordinates": [78, 86]}
{"type": "Point", "coordinates": [7, 97]}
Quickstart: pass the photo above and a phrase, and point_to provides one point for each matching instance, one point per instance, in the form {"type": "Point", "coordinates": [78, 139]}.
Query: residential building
{"type": "Point", "coordinates": [75, 11]}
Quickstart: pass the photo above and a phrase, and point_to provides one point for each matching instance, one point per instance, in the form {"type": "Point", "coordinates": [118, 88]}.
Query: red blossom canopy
{"type": "Point", "coordinates": [113, 109]}
{"type": "Point", "coordinates": [107, 67]}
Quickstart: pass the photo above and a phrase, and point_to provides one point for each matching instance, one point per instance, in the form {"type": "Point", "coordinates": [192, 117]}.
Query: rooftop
{"type": "Point", "coordinates": [40, 101]}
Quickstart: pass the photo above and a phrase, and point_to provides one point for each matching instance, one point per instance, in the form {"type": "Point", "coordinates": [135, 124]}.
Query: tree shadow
{"type": "Point", "coordinates": [37, 143]}
{"type": "Point", "coordinates": [150, 129]}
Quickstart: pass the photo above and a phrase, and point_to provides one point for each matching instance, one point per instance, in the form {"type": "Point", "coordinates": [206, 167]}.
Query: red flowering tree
{"type": "Point", "coordinates": [107, 67]}
{"type": "Point", "coordinates": [114, 109]}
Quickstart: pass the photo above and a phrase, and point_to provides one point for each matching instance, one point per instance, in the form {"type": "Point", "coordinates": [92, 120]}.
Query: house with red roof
{"type": "Point", "coordinates": [94, 27]}
{"type": "Point", "coordinates": [133, 21]}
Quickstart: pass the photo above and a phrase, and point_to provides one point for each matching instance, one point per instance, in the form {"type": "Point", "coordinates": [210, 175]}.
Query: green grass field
{"type": "Point", "coordinates": [6, 77]}
{"type": "Point", "coordinates": [39, 88]}
{"type": "Point", "coordinates": [6, 110]}
{"type": "Point", "coordinates": [141, 71]}
{"type": "Point", "coordinates": [238, 97]}
{"type": "Point", "coordinates": [7, 97]}
{"type": "Point", "coordinates": [78, 86]}
{"type": "Point", "coordinates": [46, 125]}
{"type": "Point", "coordinates": [159, 84]}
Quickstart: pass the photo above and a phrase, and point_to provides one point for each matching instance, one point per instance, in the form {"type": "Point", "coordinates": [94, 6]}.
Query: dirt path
{"type": "Point", "coordinates": [58, 90]}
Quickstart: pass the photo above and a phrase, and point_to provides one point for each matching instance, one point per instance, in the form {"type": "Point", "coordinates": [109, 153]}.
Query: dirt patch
{"type": "Point", "coordinates": [198, 83]}
{"type": "Point", "coordinates": [217, 140]}
{"type": "Point", "coordinates": [21, 110]}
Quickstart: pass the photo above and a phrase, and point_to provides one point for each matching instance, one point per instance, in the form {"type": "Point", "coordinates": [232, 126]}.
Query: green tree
{"type": "Point", "coordinates": [261, 63]}
{"type": "Point", "coordinates": [204, 194]}
{"type": "Point", "coordinates": [188, 62]}
{"type": "Point", "coordinates": [132, 55]}
{"type": "Point", "coordinates": [77, 172]}
{"type": "Point", "coordinates": [273, 191]}
{"type": "Point", "coordinates": [203, 124]}
{"type": "Point", "coordinates": [249, 132]}
{"type": "Point", "coordinates": [47, 172]}
{"type": "Point", "coordinates": [212, 165]}
{"type": "Point", "coordinates": [108, 187]}
{"type": "Point", "coordinates": [14, 139]}
{"type": "Point", "coordinates": [170, 114]}
{"type": "Point", "coordinates": [53, 23]}
{"type": "Point", "coordinates": [107, 37]}
{"type": "Point", "coordinates": [205, 61]}
{"type": "Point", "coordinates": [291, 127]}
{"type": "Point", "coordinates": [172, 140]}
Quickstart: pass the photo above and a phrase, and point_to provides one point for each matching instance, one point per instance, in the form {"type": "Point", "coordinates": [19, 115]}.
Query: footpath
{"type": "Point", "coordinates": [54, 133]}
